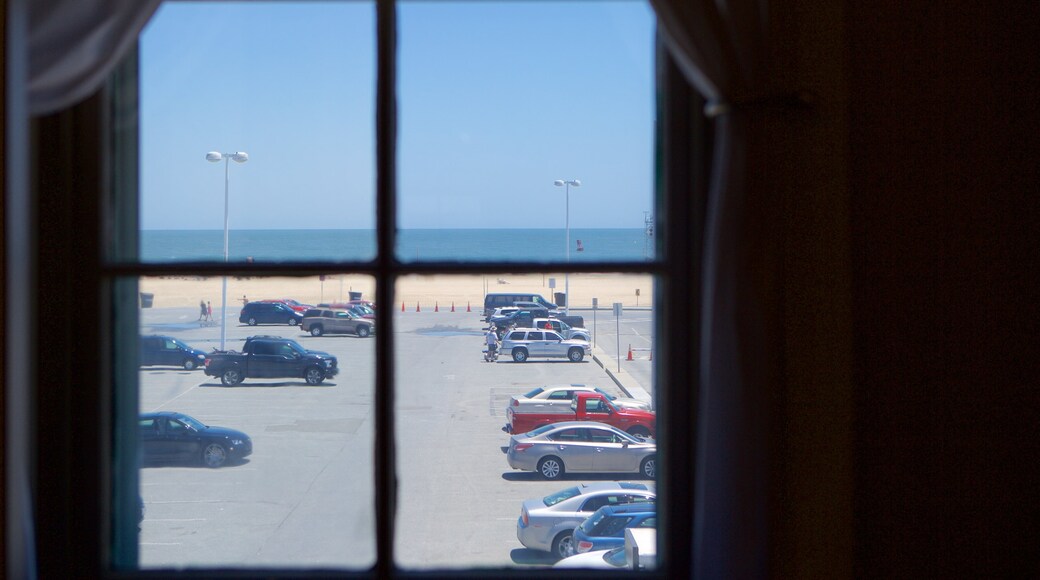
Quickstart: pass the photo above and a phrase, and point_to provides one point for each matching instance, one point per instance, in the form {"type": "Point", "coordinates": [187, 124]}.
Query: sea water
{"type": "Point", "coordinates": [505, 245]}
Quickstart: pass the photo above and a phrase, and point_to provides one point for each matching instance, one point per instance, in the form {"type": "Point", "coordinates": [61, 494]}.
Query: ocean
{"type": "Point", "coordinates": [506, 245]}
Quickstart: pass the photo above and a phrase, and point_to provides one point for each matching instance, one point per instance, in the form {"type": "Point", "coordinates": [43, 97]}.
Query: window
{"type": "Point", "coordinates": [387, 263]}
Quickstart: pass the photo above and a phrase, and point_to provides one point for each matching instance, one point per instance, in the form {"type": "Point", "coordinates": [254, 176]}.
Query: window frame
{"type": "Point", "coordinates": [70, 153]}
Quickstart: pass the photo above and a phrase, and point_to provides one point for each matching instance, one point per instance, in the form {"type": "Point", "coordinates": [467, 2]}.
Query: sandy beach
{"type": "Point", "coordinates": [427, 291]}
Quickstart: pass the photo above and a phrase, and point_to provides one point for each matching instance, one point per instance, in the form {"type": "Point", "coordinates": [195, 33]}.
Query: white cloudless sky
{"type": "Point", "coordinates": [495, 101]}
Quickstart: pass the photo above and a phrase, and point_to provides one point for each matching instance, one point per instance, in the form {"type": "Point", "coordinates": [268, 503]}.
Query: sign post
{"type": "Point", "coordinates": [617, 319]}
{"type": "Point", "coordinates": [595, 306]}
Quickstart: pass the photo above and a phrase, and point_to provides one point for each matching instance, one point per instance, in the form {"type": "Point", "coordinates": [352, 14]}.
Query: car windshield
{"type": "Point", "coordinates": [559, 496]}
{"type": "Point", "coordinates": [616, 557]}
{"type": "Point", "coordinates": [605, 394]}
{"type": "Point", "coordinates": [296, 347]}
{"type": "Point", "coordinates": [594, 520]}
{"type": "Point", "coordinates": [610, 527]}
{"type": "Point", "coordinates": [192, 422]}
{"type": "Point", "coordinates": [533, 393]}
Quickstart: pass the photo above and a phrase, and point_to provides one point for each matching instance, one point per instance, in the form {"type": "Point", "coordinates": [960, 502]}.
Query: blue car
{"type": "Point", "coordinates": [255, 313]}
{"type": "Point", "coordinates": [605, 528]}
{"type": "Point", "coordinates": [168, 351]}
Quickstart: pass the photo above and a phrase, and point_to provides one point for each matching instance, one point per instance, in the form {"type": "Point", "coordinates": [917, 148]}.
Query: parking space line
{"type": "Point", "coordinates": [175, 398]}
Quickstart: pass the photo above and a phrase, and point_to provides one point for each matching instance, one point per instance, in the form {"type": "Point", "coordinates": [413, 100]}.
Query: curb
{"type": "Point", "coordinates": [622, 379]}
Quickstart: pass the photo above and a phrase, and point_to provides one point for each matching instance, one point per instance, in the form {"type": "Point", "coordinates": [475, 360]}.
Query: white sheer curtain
{"type": "Point", "coordinates": [723, 48]}
{"type": "Point", "coordinates": [73, 45]}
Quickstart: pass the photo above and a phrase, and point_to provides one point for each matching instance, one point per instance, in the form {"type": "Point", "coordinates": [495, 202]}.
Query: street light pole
{"type": "Point", "coordinates": [567, 183]}
{"type": "Point", "coordinates": [239, 157]}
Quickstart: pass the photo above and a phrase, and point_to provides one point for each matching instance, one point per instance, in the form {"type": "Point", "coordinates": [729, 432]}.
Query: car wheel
{"type": "Point", "coordinates": [563, 545]}
{"type": "Point", "coordinates": [314, 376]}
{"type": "Point", "coordinates": [231, 377]}
{"type": "Point", "coordinates": [251, 322]}
{"type": "Point", "coordinates": [293, 321]}
{"type": "Point", "coordinates": [648, 467]}
{"type": "Point", "coordinates": [363, 331]}
{"type": "Point", "coordinates": [575, 354]}
{"type": "Point", "coordinates": [551, 467]}
{"type": "Point", "coordinates": [520, 354]}
{"type": "Point", "coordinates": [190, 364]}
{"type": "Point", "coordinates": [316, 330]}
{"type": "Point", "coordinates": [214, 455]}
{"type": "Point", "coordinates": [639, 431]}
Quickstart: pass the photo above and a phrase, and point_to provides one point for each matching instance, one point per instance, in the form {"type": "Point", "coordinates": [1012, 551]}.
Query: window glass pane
{"type": "Point", "coordinates": [451, 406]}
{"type": "Point", "coordinates": [290, 84]}
{"type": "Point", "coordinates": [277, 471]}
{"type": "Point", "coordinates": [525, 131]}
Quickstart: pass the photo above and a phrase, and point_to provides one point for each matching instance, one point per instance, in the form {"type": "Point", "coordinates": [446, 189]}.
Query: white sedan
{"type": "Point", "coordinates": [545, 398]}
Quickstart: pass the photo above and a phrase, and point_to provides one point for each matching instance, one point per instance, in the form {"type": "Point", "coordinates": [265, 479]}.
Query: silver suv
{"type": "Point", "coordinates": [319, 321]}
{"type": "Point", "coordinates": [524, 343]}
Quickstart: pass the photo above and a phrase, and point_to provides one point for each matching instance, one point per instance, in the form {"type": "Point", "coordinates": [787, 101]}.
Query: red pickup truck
{"type": "Point", "coordinates": [584, 407]}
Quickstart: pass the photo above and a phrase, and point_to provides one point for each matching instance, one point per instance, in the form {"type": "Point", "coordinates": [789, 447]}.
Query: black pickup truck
{"type": "Point", "coordinates": [270, 357]}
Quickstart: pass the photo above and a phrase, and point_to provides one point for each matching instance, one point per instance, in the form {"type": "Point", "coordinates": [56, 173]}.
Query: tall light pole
{"type": "Point", "coordinates": [567, 183]}
{"type": "Point", "coordinates": [239, 157]}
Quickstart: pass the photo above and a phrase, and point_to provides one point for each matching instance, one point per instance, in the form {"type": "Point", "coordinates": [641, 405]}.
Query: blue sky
{"type": "Point", "coordinates": [496, 100]}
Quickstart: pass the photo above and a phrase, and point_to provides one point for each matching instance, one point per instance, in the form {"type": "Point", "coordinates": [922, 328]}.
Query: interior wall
{"type": "Point", "coordinates": [944, 228]}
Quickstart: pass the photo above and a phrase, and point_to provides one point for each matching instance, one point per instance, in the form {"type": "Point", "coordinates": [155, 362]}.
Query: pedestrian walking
{"type": "Point", "coordinates": [202, 310]}
{"type": "Point", "coordinates": [209, 311]}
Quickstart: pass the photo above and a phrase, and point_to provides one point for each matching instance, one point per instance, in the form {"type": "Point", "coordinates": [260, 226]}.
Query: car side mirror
{"type": "Point", "coordinates": [624, 444]}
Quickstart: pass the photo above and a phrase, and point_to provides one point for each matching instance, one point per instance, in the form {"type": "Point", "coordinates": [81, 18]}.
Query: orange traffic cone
{"type": "Point", "coordinates": [467, 307]}
{"type": "Point", "coordinates": [417, 306]}
{"type": "Point", "coordinates": [453, 306]}
{"type": "Point", "coordinates": [436, 308]}
{"type": "Point", "coordinates": [629, 352]}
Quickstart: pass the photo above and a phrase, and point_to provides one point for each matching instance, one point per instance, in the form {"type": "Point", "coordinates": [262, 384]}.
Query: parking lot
{"type": "Point", "coordinates": [305, 495]}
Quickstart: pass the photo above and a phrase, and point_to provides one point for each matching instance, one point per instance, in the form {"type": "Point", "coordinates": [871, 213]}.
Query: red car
{"type": "Point", "coordinates": [294, 304]}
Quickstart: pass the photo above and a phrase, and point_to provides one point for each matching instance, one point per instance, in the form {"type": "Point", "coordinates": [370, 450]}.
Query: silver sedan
{"type": "Point", "coordinates": [581, 446]}
{"type": "Point", "coordinates": [547, 523]}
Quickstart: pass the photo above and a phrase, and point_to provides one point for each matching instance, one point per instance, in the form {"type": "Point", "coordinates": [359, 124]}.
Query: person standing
{"type": "Point", "coordinates": [202, 310]}
{"type": "Point", "coordinates": [209, 311]}
{"type": "Point", "coordinates": [492, 344]}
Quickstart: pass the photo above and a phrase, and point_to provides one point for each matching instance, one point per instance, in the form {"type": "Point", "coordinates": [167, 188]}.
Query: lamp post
{"type": "Point", "coordinates": [238, 157]}
{"type": "Point", "coordinates": [567, 183]}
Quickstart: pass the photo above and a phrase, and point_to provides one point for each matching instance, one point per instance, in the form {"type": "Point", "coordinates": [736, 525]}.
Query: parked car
{"type": "Point", "coordinates": [581, 447]}
{"type": "Point", "coordinates": [501, 312]}
{"type": "Point", "coordinates": [552, 310]}
{"type": "Point", "coordinates": [524, 343]}
{"type": "Point", "coordinates": [294, 304]}
{"type": "Point", "coordinates": [605, 529]}
{"type": "Point", "coordinates": [523, 318]}
{"type": "Point", "coordinates": [639, 552]}
{"type": "Point", "coordinates": [270, 357]}
{"type": "Point", "coordinates": [319, 321]}
{"type": "Point", "coordinates": [547, 523]}
{"type": "Point", "coordinates": [562, 395]}
{"type": "Point", "coordinates": [585, 406]}
{"type": "Point", "coordinates": [175, 437]}
{"type": "Point", "coordinates": [168, 351]}
{"type": "Point", "coordinates": [255, 313]}
{"type": "Point", "coordinates": [495, 300]}
{"type": "Point", "coordinates": [562, 328]}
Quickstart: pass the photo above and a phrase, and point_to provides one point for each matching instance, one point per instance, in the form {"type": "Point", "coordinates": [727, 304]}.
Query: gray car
{"type": "Point", "coordinates": [525, 343]}
{"type": "Point", "coordinates": [581, 446]}
{"type": "Point", "coordinates": [548, 523]}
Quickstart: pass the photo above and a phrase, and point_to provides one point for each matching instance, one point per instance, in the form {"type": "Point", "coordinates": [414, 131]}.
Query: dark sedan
{"type": "Point", "coordinates": [175, 437]}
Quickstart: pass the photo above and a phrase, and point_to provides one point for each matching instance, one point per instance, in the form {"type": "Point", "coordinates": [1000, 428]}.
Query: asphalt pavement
{"type": "Point", "coordinates": [305, 496]}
